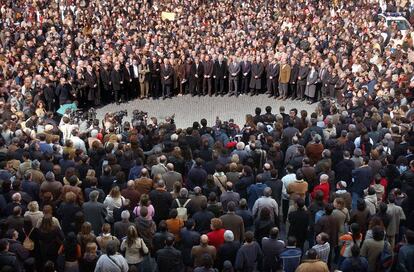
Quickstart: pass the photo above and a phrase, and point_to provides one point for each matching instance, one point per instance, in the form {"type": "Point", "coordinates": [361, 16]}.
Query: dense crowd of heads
{"type": "Point", "coordinates": [292, 189]}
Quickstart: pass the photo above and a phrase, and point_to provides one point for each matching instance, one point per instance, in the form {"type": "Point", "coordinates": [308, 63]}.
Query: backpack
{"type": "Point", "coordinates": [182, 210]}
{"type": "Point", "coordinates": [385, 259]}
{"type": "Point", "coordinates": [318, 215]}
{"type": "Point", "coordinates": [28, 243]}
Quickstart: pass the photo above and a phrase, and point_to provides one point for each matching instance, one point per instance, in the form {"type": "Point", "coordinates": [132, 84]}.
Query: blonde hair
{"type": "Point", "coordinates": [33, 206]}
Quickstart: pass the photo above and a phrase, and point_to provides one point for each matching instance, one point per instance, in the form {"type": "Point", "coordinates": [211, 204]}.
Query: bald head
{"type": "Point", "coordinates": [130, 183]}
{"type": "Point", "coordinates": [204, 239]}
{"type": "Point", "coordinates": [170, 167]}
{"type": "Point", "coordinates": [144, 172]}
{"type": "Point", "coordinates": [163, 159]}
{"type": "Point", "coordinates": [267, 192]}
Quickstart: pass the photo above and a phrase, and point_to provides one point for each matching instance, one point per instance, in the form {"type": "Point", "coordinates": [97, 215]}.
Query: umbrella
{"type": "Point", "coordinates": [62, 110]}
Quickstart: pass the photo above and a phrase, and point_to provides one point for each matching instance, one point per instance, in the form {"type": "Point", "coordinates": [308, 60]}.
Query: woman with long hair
{"type": "Point", "coordinates": [134, 247]}
{"type": "Point", "coordinates": [86, 236]}
{"type": "Point", "coordinates": [48, 241]}
{"type": "Point", "coordinates": [70, 250]}
{"type": "Point", "coordinates": [113, 201]}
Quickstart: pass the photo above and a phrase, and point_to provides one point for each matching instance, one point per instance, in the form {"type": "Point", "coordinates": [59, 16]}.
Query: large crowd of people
{"type": "Point", "coordinates": [286, 191]}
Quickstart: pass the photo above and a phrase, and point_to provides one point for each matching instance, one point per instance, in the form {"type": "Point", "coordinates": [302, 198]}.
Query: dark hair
{"type": "Point", "coordinates": [378, 233]}
{"type": "Point", "coordinates": [312, 254]}
{"type": "Point", "coordinates": [291, 241]}
{"type": "Point", "coordinates": [111, 247]}
{"type": "Point", "coordinates": [249, 236]}
{"type": "Point", "coordinates": [329, 209]}
{"type": "Point", "coordinates": [3, 244]}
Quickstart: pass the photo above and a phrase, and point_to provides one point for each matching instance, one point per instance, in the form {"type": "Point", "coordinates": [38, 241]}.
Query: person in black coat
{"type": "Point", "coordinates": [203, 218]}
{"type": "Point", "coordinates": [49, 94]}
{"type": "Point", "coordinates": [272, 76]}
{"type": "Point", "coordinates": [228, 250]}
{"type": "Point", "coordinates": [63, 91]}
{"type": "Point", "coordinates": [343, 170]}
{"type": "Point", "coordinates": [67, 211]}
{"type": "Point", "coordinates": [162, 201]}
{"type": "Point", "coordinates": [105, 77]}
{"type": "Point", "coordinates": [92, 84]}
{"type": "Point", "coordinates": [117, 80]}
{"type": "Point", "coordinates": [293, 81]}
{"type": "Point", "coordinates": [128, 85]}
{"type": "Point", "coordinates": [246, 67]}
{"type": "Point", "coordinates": [189, 238]}
{"type": "Point", "coordinates": [302, 76]}
{"type": "Point", "coordinates": [220, 74]}
{"type": "Point", "coordinates": [167, 74]}
{"type": "Point", "coordinates": [196, 77]}
{"type": "Point", "coordinates": [169, 258]}
{"type": "Point", "coordinates": [155, 72]}
{"type": "Point", "coordinates": [299, 223]}
{"type": "Point", "coordinates": [8, 260]}
{"type": "Point", "coordinates": [159, 238]}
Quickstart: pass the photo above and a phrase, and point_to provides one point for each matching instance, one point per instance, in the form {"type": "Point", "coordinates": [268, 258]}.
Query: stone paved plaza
{"type": "Point", "coordinates": [188, 109]}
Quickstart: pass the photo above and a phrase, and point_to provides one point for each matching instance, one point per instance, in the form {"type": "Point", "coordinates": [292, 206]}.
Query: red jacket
{"type": "Point", "coordinates": [216, 238]}
{"type": "Point", "coordinates": [324, 187]}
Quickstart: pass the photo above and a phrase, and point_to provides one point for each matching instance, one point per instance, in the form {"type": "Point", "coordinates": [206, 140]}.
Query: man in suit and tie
{"type": "Point", "coordinates": [293, 77]}
{"type": "Point", "coordinates": [220, 74]}
{"type": "Point", "coordinates": [284, 77]}
{"type": "Point", "coordinates": [167, 74]}
{"type": "Point", "coordinates": [324, 78]}
{"type": "Point", "coordinates": [196, 77]}
{"type": "Point", "coordinates": [246, 67]}
{"type": "Point", "coordinates": [105, 75]}
{"type": "Point", "coordinates": [208, 75]}
{"type": "Point", "coordinates": [256, 80]}
{"type": "Point", "coordinates": [117, 79]}
{"type": "Point", "coordinates": [302, 75]}
{"type": "Point", "coordinates": [234, 70]}
{"type": "Point", "coordinates": [155, 71]}
{"type": "Point", "coordinates": [135, 78]}
{"type": "Point", "coordinates": [126, 70]}
{"type": "Point", "coordinates": [272, 71]}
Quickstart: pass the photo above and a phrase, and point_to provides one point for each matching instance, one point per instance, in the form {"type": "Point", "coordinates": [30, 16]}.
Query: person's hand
{"type": "Point", "coordinates": [270, 77]}
{"type": "Point", "coordinates": [214, 76]}
{"type": "Point", "coordinates": [224, 77]}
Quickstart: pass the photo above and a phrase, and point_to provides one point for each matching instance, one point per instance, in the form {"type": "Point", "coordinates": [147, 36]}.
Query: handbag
{"type": "Point", "coordinates": [28, 243]}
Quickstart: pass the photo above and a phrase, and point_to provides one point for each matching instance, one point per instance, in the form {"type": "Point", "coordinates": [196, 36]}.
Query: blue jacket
{"type": "Point", "coordinates": [406, 258]}
{"type": "Point", "coordinates": [254, 192]}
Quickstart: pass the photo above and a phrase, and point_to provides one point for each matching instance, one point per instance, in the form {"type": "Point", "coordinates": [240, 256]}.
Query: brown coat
{"type": "Point", "coordinates": [234, 222]}
{"type": "Point", "coordinates": [312, 266]}
{"type": "Point", "coordinates": [284, 74]}
{"type": "Point", "coordinates": [314, 152]}
{"type": "Point", "coordinates": [197, 253]}
{"type": "Point", "coordinates": [297, 189]}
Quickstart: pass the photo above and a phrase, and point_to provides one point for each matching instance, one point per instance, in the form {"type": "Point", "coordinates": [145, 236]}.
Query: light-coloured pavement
{"type": "Point", "coordinates": [188, 109]}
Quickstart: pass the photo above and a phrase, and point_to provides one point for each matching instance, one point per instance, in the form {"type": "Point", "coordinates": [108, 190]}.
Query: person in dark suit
{"type": "Point", "coordinates": [208, 75]}
{"type": "Point", "coordinates": [332, 82]}
{"type": "Point", "coordinates": [127, 89]}
{"type": "Point", "coordinates": [302, 76]}
{"type": "Point", "coordinates": [324, 77]}
{"type": "Point", "coordinates": [49, 94]}
{"type": "Point", "coordinates": [220, 74]}
{"type": "Point", "coordinates": [189, 238]}
{"type": "Point", "coordinates": [162, 201]}
{"type": "Point", "coordinates": [272, 74]}
{"type": "Point", "coordinates": [117, 79]}
{"type": "Point", "coordinates": [256, 79]}
{"type": "Point", "coordinates": [135, 79]}
{"type": "Point", "coordinates": [234, 70]}
{"type": "Point", "coordinates": [245, 67]}
{"type": "Point", "coordinates": [167, 74]}
{"type": "Point", "coordinates": [105, 76]}
{"type": "Point", "coordinates": [92, 84]}
{"type": "Point", "coordinates": [63, 91]}
{"type": "Point", "coordinates": [196, 77]}
{"type": "Point", "coordinates": [293, 78]}
{"type": "Point", "coordinates": [169, 258]}
{"type": "Point", "coordinates": [155, 72]}
{"type": "Point", "coordinates": [299, 223]}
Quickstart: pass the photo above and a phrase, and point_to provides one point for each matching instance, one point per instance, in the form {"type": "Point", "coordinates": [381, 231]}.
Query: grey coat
{"type": "Point", "coordinates": [311, 80]}
{"type": "Point", "coordinates": [95, 214]}
{"type": "Point", "coordinates": [257, 71]}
